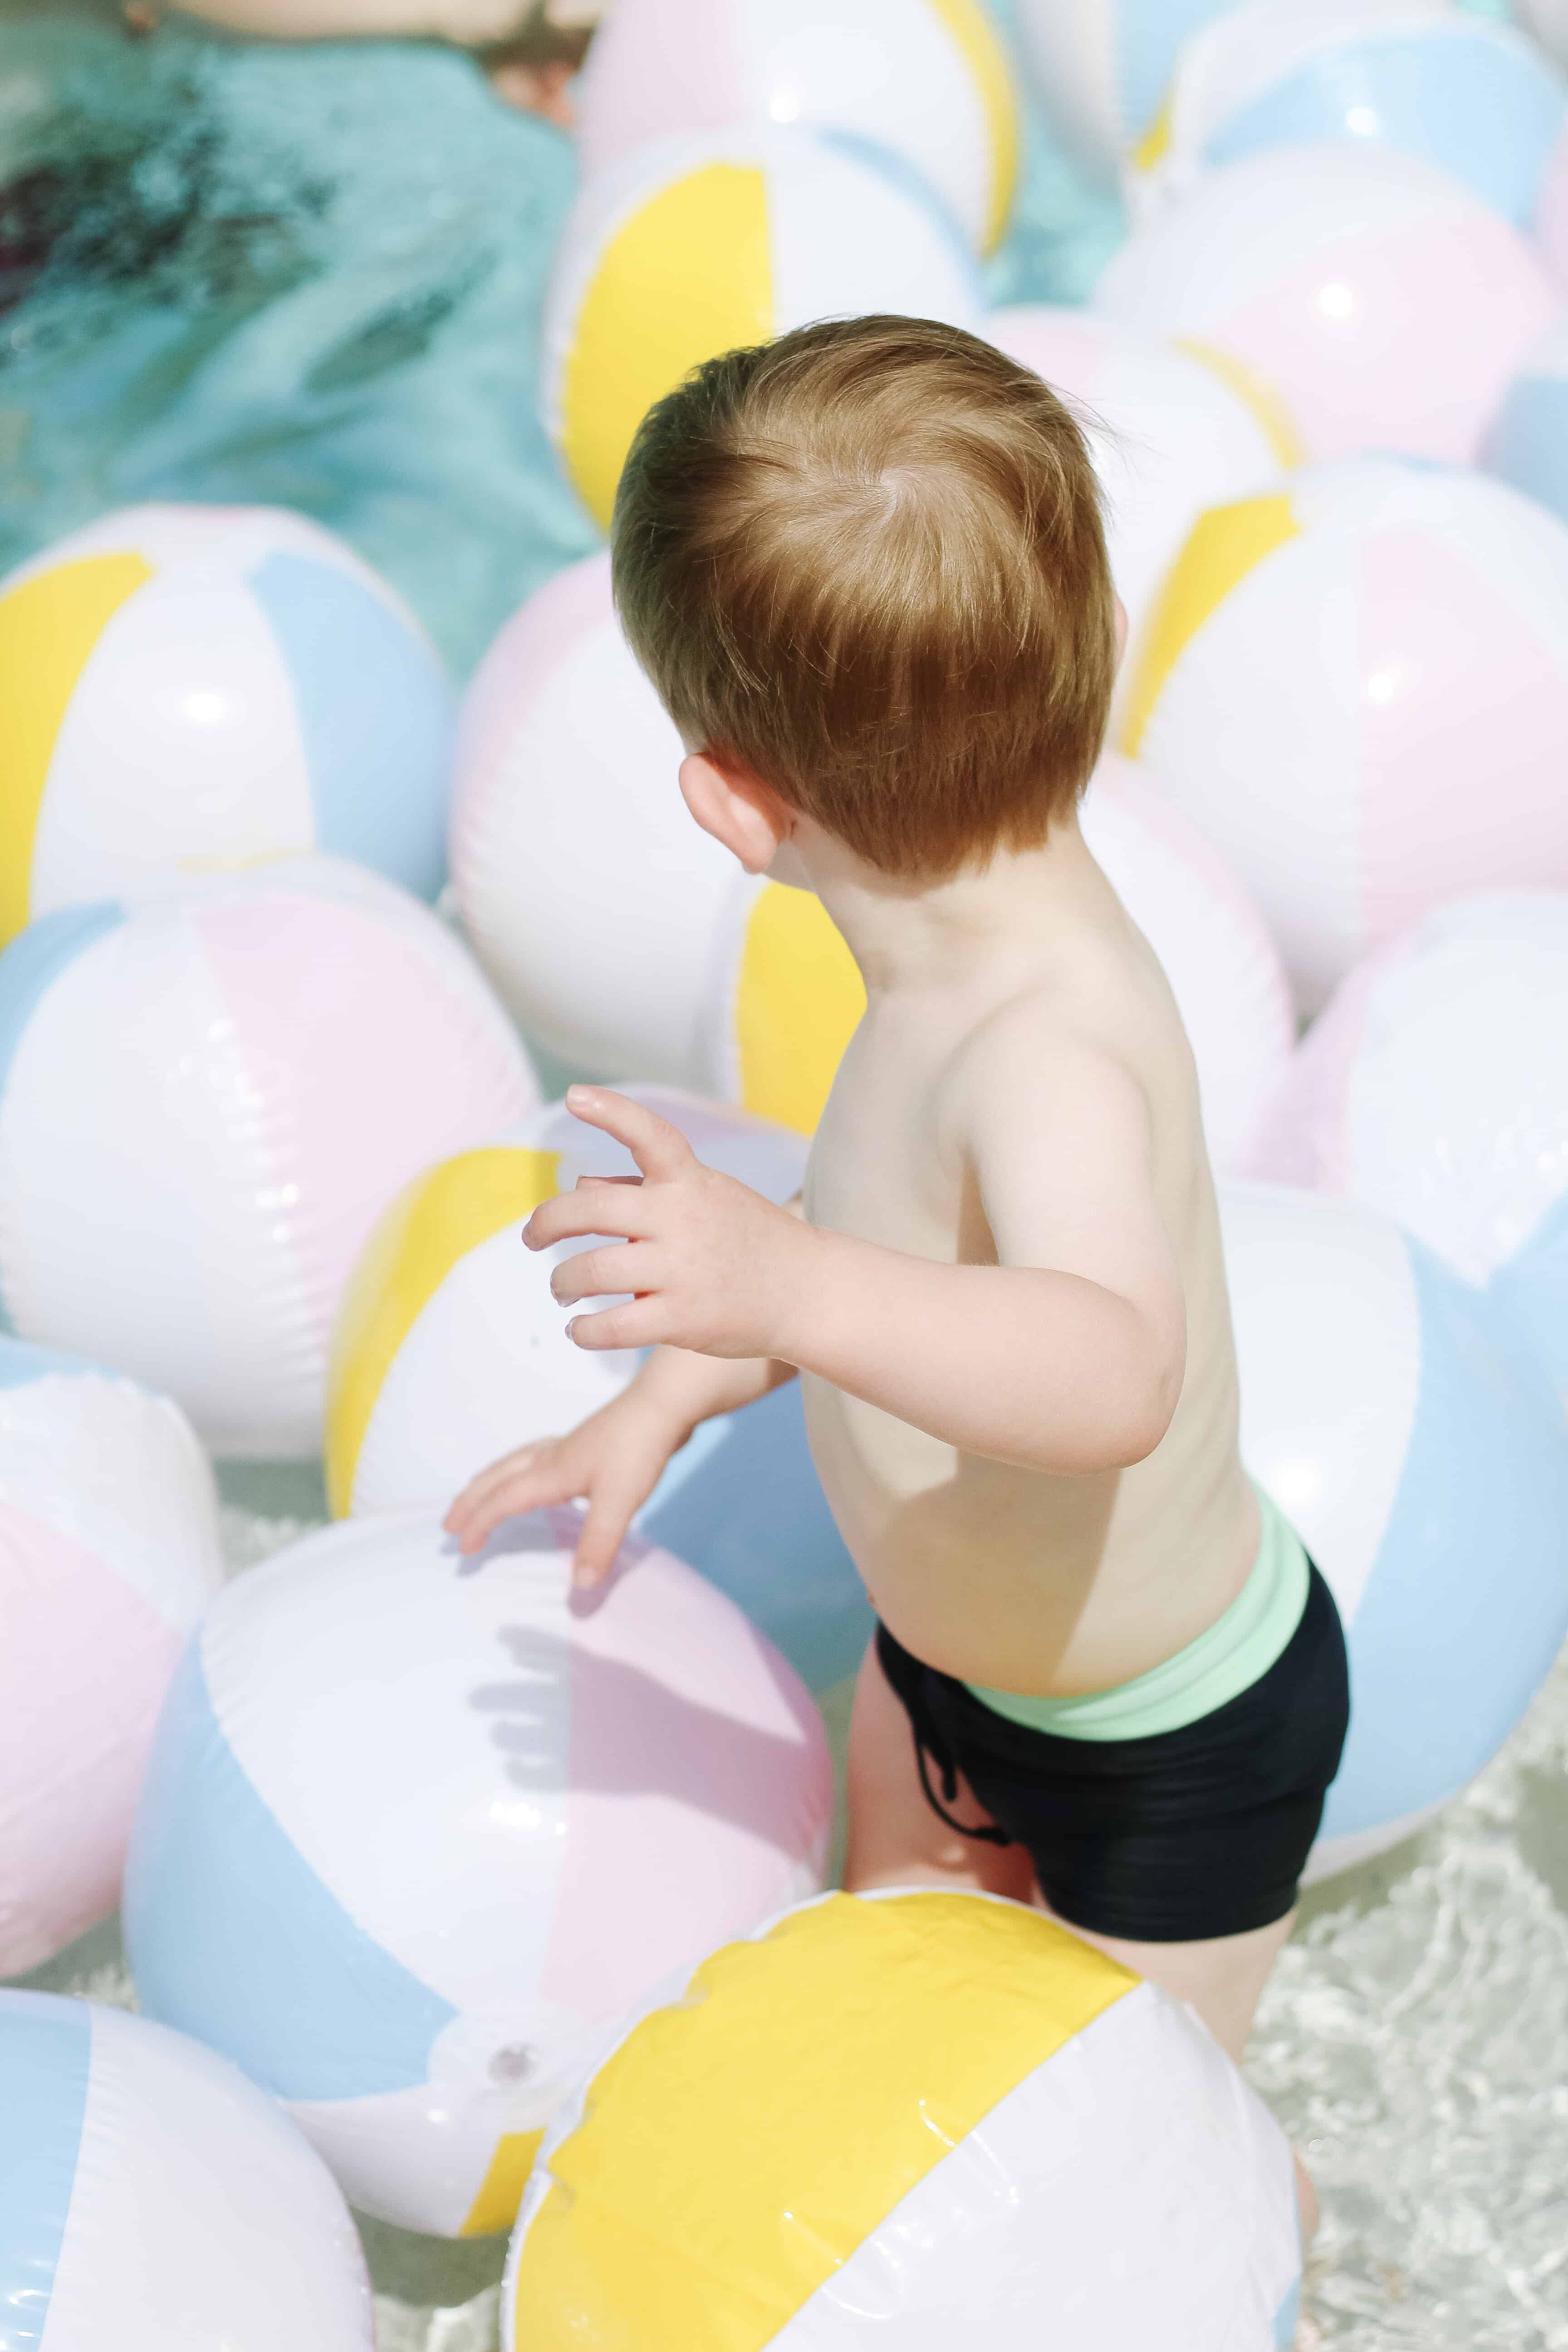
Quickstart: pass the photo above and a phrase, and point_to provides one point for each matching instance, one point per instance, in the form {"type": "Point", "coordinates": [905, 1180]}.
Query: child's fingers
{"type": "Point", "coordinates": [495, 1474]}
{"type": "Point", "coordinates": [601, 1273]}
{"type": "Point", "coordinates": [526, 1490]}
{"type": "Point", "coordinates": [642, 1324]}
{"type": "Point", "coordinates": [659, 1149]}
{"type": "Point", "coordinates": [610, 1514]}
{"type": "Point", "coordinates": [602, 1207]}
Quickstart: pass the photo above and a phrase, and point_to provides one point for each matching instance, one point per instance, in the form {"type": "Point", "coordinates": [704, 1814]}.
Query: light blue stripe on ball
{"type": "Point", "coordinates": [234, 1938]}
{"type": "Point", "coordinates": [1527, 445]}
{"type": "Point", "coordinates": [1286, 2319]}
{"type": "Point", "coordinates": [1483, 109]}
{"type": "Point", "coordinates": [35, 959]}
{"type": "Point", "coordinates": [1531, 1294]}
{"type": "Point", "coordinates": [1149, 34]}
{"type": "Point", "coordinates": [742, 1503]}
{"type": "Point", "coordinates": [20, 1364]}
{"type": "Point", "coordinates": [376, 713]}
{"type": "Point", "coordinates": [46, 2057]}
{"type": "Point", "coordinates": [30, 966]}
{"type": "Point", "coordinates": [901, 173]}
{"type": "Point", "coordinates": [1467, 1605]}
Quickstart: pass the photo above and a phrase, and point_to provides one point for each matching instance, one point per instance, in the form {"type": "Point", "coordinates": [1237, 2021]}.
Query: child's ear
{"type": "Point", "coordinates": [735, 809]}
{"type": "Point", "coordinates": [1120, 629]}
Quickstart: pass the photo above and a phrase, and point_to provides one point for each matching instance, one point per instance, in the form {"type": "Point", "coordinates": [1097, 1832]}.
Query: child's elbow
{"type": "Point", "coordinates": [1147, 1408]}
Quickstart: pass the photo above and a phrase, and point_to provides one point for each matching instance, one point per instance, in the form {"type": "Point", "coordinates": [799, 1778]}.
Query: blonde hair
{"type": "Point", "coordinates": [865, 563]}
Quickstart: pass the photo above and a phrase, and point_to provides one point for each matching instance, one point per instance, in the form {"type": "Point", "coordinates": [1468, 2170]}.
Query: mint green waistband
{"type": "Point", "coordinates": [1227, 1659]}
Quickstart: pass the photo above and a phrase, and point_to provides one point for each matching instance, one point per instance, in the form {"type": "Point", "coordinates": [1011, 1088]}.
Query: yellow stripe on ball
{"type": "Point", "coordinates": [1256, 394]}
{"type": "Point", "coordinates": [1222, 547]}
{"type": "Point", "coordinates": [441, 1216]}
{"type": "Point", "coordinates": [797, 1003]}
{"type": "Point", "coordinates": [495, 2208]}
{"type": "Point", "coordinates": [967, 23]}
{"type": "Point", "coordinates": [734, 2153]}
{"type": "Point", "coordinates": [48, 629]}
{"type": "Point", "coordinates": [688, 275]}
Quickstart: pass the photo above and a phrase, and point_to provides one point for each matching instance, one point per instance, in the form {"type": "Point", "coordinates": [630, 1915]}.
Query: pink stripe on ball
{"type": "Point", "coordinates": [700, 1787]}
{"type": "Point", "coordinates": [83, 1671]}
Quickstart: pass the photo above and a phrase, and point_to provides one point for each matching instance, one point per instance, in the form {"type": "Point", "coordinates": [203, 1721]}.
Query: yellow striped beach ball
{"type": "Point", "coordinates": [926, 79]}
{"type": "Point", "coordinates": [450, 1348]}
{"type": "Point", "coordinates": [890, 2123]}
{"type": "Point", "coordinates": [698, 244]}
{"type": "Point", "coordinates": [189, 689]}
{"type": "Point", "coordinates": [622, 936]}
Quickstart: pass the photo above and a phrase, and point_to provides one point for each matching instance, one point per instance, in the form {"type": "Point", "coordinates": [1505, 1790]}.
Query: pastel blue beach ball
{"type": "Point", "coordinates": [1434, 1089]}
{"type": "Point", "coordinates": [1473, 98]}
{"type": "Point", "coordinates": [1425, 1467]}
{"type": "Point", "coordinates": [191, 689]}
{"type": "Point", "coordinates": [151, 2196]}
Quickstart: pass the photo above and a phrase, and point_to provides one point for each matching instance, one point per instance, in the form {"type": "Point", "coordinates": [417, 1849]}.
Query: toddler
{"type": "Point", "coordinates": [864, 567]}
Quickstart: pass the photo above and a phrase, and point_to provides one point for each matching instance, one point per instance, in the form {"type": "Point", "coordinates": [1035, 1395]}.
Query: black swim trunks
{"type": "Point", "coordinates": [1183, 1834]}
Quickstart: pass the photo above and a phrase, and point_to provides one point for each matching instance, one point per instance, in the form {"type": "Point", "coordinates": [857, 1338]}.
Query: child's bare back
{"type": "Point", "coordinates": [996, 1571]}
{"type": "Point", "coordinates": [865, 569]}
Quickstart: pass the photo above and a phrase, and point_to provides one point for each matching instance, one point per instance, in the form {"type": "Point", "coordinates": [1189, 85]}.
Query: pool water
{"type": "Point", "coordinates": [312, 276]}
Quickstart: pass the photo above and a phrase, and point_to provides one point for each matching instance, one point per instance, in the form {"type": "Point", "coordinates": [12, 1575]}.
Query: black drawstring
{"type": "Point", "coordinates": [929, 1741]}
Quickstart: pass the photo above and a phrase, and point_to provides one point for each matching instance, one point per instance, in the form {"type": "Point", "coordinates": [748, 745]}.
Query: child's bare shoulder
{"type": "Point", "coordinates": [1048, 1059]}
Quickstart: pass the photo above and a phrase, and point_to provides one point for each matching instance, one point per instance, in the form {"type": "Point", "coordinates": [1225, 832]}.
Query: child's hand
{"type": "Point", "coordinates": [613, 1460]}
{"type": "Point", "coordinates": [712, 1264]}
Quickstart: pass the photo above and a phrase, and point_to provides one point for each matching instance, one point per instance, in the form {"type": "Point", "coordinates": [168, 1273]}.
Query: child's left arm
{"type": "Point", "coordinates": [1065, 1357]}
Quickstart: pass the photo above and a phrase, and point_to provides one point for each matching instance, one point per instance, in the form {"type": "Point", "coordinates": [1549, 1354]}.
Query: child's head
{"type": "Point", "coordinates": [865, 565]}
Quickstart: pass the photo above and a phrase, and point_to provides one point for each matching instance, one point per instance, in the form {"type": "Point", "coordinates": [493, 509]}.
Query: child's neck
{"type": "Point", "coordinates": [911, 935]}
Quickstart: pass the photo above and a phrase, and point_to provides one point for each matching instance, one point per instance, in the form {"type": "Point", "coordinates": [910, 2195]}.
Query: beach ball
{"type": "Point", "coordinates": [151, 2197]}
{"type": "Point", "coordinates": [1526, 443]}
{"type": "Point", "coordinates": [1419, 77]}
{"type": "Point", "coordinates": [905, 2119]}
{"type": "Point", "coordinates": [1101, 67]}
{"type": "Point", "coordinates": [109, 1553]}
{"type": "Point", "coordinates": [925, 81]}
{"type": "Point", "coordinates": [1434, 1089]}
{"type": "Point", "coordinates": [417, 1829]}
{"type": "Point", "coordinates": [1381, 300]}
{"type": "Point", "coordinates": [1357, 686]}
{"type": "Point", "coordinates": [1426, 1468]}
{"type": "Point", "coordinates": [1172, 432]}
{"type": "Point", "coordinates": [694, 244]}
{"type": "Point", "coordinates": [207, 1096]}
{"type": "Point", "coordinates": [449, 1348]}
{"type": "Point", "coordinates": [622, 935]}
{"type": "Point", "coordinates": [190, 689]}
{"type": "Point", "coordinates": [626, 938]}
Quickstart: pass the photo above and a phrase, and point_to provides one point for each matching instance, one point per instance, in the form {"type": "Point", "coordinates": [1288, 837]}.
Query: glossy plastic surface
{"type": "Point", "coordinates": [206, 1100]}
{"type": "Point", "coordinates": [1432, 1089]}
{"type": "Point", "coordinates": [885, 2120]}
{"type": "Point", "coordinates": [109, 1551]}
{"type": "Point", "coordinates": [693, 245]}
{"type": "Point", "coordinates": [1358, 688]}
{"type": "Point", "coordinates": [205, 688]}
{"type": "Point", "coordinates": [928, 82]}
{"type": "Point", "coordinates": [1425, 1467]}
{"type": "Point", "coordinates": [417, 1829]}
{"type": "Point", "coordinates": [1385, 304]}
{"type": "Point", "coordinates": [151, 2196]}
{"type": "Point", "coordinates": [1419, 77]}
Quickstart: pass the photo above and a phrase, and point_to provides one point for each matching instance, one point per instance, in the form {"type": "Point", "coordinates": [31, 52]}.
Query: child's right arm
{"type": "Point", "coordinates": [614, 1459]}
